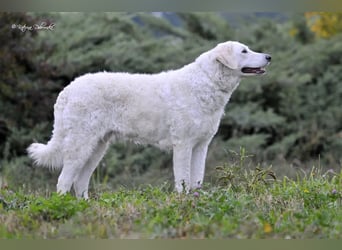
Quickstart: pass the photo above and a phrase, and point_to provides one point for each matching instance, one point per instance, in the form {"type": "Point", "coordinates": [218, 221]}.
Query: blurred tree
{"type": "Point", "coordinates": [25, 92]}
{"type": "Point", "coordinates": [324, 24]}
{"type": "Point", "coordinates": [300, 30]}
{"type": "Point", "coordinates": [208, 26]}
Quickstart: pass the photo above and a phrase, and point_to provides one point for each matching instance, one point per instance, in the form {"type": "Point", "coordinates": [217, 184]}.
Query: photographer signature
{"type": "Point", "coordinates": [41, 26]}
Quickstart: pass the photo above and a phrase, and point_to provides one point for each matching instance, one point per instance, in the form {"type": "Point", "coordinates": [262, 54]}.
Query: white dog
{"type": "Point", "coordinates": [179, 109]}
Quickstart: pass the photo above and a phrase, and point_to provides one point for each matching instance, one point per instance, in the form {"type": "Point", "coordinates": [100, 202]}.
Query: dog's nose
{"type": "Point", "coordinates": [268, 57]}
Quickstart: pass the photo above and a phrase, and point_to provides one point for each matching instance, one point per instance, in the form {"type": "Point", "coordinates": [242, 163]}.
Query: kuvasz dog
{"type": "Point", "coordinates": [177, 109]}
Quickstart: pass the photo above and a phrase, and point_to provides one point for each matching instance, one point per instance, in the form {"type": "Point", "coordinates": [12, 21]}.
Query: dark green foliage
{"type": "Point", "coordinates": [293, 112]}
{"type": "Point", "coordinates": [207, 26]}
{"type": "Point", "coordinates": [26, 90]}
{"type": "Point", "coordinates": [302, 31]}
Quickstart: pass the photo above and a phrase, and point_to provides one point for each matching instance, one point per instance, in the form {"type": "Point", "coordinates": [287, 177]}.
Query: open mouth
{"type": "Point", "coordinates": [257, 71]}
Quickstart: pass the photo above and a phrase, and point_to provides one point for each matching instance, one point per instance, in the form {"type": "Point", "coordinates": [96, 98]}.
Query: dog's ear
{"type": "Point", "coordinates": [226, 56]}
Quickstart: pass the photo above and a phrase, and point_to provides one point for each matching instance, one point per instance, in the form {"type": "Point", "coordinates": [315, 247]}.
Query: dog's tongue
{"type": "Point", "coordinates": [253, 70]}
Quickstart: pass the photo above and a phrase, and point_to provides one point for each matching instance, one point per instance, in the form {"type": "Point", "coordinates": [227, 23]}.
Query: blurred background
{"type": "Point", "coordinates": [290, 119]}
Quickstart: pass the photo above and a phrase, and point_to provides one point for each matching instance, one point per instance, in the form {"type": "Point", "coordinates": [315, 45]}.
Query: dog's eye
{"type": "Point", "coordinates": [244, 51]}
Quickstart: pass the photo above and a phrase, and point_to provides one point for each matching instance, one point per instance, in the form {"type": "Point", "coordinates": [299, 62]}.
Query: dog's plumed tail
{"type": "Point", "coordinates": [46, 155]}
{"type": "Point", "coordinates": [50, 155]}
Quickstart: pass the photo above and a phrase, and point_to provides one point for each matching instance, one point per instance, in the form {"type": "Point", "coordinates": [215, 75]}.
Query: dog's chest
{"type": "Point", "coordinates": [198, 125]}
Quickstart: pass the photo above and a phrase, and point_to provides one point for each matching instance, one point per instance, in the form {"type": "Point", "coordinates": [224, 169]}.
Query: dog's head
{"type": "Point", "coordinates": [241, 59]}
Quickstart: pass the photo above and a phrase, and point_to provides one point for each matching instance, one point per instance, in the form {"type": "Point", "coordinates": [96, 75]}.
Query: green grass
{"type": "Point", "coordinates": [245, 204]}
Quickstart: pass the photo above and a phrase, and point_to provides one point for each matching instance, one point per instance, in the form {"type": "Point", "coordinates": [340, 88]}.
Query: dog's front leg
{"type": "Point", "coordinates": [199, 155]}
{"type": "Point", "coordinates": [181, 167]}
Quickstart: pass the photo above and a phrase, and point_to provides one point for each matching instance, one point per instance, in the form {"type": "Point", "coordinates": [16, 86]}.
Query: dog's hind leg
{"type": "Point", "coordinates": [76, 153]}
{"type": "Point", "coordinates": [81, 183]}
